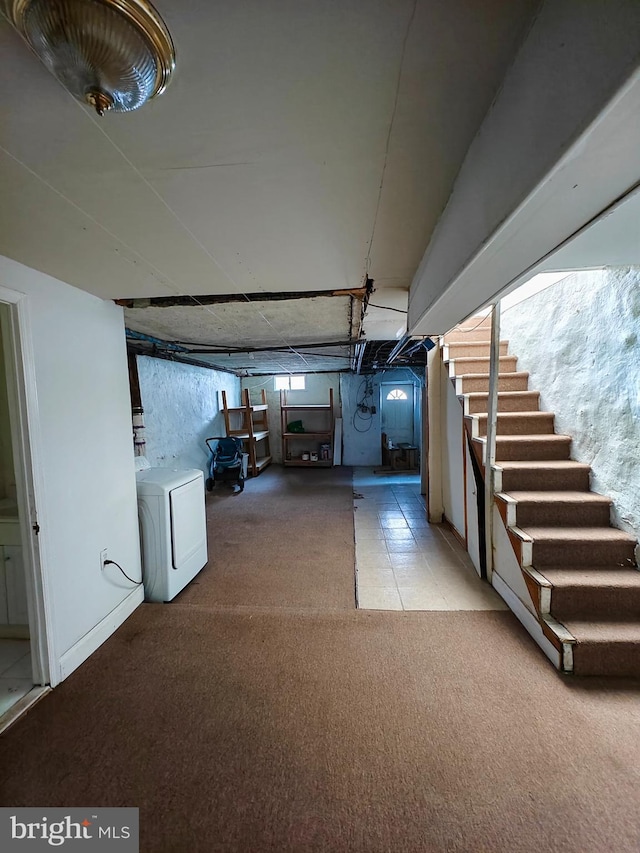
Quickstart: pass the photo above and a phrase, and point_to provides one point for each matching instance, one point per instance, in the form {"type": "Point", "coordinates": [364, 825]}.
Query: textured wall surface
{"type": "Point", "coordinates": [182, 407]}
{"type": "Point", "coordinates": [580, 341]}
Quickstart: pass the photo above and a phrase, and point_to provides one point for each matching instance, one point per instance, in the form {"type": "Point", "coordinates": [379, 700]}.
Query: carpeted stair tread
{"type": "Point", "coordinates": [592, 577]}
{"type": "Point", "coordinates": [508, 401]}
{"type": "Point", "coordinates": [606, 647]}
{"type": "Point", "coordinates": [480, 333]}
{"type": "Point", "coordinates": [605, 631]}
{"type": "Point", "coordinates": [543, 474]}
{"type": "Point", "coordinates": [507, 381]}
{"type": "Point", "coordinates": [605, 546]}
{"type": "Point", "coordinates": [579, 534]}
{"type": "Point", "coordinates": [553, 508]}
{"type": "Point", "coordinates": [518, 423]}
{"type": "Point", "coordinates": [516, 447]}
{"type": "Point", "coordinates": [593, 592]}
{"type": "Point", "coordinates": [458, 349]}
{"type": "Point", "coordinates": [480, 364]}
{"type": "Point", "coordinates": [559, 497]}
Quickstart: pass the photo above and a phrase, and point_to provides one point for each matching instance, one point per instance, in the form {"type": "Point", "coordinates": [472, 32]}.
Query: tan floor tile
{"type": "Point", "coordinates": [485, 599]}
{"type": "Point", "coordinates": [407, 558]}
{"type": "Point", "coordinates": [403, 546]}
{"type": "Point", "coordinates": [419, 524]}
{"type": "Point", "coordinates": [398, 522]}
{"type": "Point", "coordinates": [418, 579]}
{"type": "Point", "coordinates": [379, 599]}
{"type": "Point", "coordinates": [373, 577]}
{"type": "Point", "coordinates": [436, 556]}
{"type": "Point", "coordinates": [366, 521]}
{"type": "Point", "coordinates": [374, 564]}
{"type": "Point", "coordinates": [392, 534]}
{"type": "Point", "coordinates": [422, 599]}
{"type": "Point", "coordinates": [373, 561]}
{"type": "Point", "coordinates": [368, 534]}
{"type": "Point", "coordinates": [370, 545]}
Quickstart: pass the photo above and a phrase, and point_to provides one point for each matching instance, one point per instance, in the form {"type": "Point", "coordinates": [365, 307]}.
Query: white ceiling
{"type": "Point", "coordinates": [300, 146]}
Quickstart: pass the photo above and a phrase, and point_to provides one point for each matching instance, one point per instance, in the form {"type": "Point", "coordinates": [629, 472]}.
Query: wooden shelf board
{"type": "Point", "coordinates": [262, 462]}
{"type": "Point", "coordinates": [316, 407]}
{"type": "Point", "coordinates": [322, 434]}
{"type": "Point", "coordinates": [321, 463]}
{"type": "Point", "coordinates": [258, 435]}
{"type": "Point", "coordinates": [240, 410]}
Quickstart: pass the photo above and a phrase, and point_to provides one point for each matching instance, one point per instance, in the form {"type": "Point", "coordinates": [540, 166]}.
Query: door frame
{"type": "Point", "coordinates": [383, 396]}
{"type": "Point", "coordinates": [17, 340]}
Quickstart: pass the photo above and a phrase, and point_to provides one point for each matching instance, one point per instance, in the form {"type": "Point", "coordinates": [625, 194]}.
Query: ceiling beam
{"type": "Point", "coordinates": [220, 299]}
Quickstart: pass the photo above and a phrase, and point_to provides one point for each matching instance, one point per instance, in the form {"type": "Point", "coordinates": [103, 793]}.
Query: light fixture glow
{"type": "Point", "coordinates": [111, 54]}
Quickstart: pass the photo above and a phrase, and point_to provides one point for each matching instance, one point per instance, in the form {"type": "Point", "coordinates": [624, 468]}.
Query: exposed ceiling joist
{"type": "Point", "coordinates": [221, 299]}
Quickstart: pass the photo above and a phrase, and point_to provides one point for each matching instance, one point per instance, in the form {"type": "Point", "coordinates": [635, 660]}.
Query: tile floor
{"type": "Point", "coordinates": [402, 561]}
{"type": "Point", "coordinates": [16, 679]}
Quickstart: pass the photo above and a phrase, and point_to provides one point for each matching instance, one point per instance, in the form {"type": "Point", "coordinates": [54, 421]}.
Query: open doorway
{"type": "Point", "coordinates": [23, 659]}
{"type": "Point", "coordinates": [15, 646]}
{"type": "Point", "coordinates": [400, 424]}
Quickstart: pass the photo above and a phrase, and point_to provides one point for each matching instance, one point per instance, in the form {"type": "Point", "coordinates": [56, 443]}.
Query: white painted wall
{"type": "Point", "coordinates": [451, 430]}
{"type": "Point", "coordinates": [364, 448]}
{"type": "Point", "coordinates": [182, 407]}
{"type": "Point", "coordinates": [86, 498]}
{"type": "Point", "coordinates": [559, 144]}
{"type": "Point", "coordinates": [316, 391]}
{"type": "Point", "coordinates": [433, 431]}
{"type": "Point", "coordinates": [7, 475]}
{"type": "Point", "coordinates": [580, 341]}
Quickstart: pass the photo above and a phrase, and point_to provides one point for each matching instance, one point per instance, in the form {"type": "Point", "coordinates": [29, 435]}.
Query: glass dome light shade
{"type": "Point", "coordinates": [112, 54]}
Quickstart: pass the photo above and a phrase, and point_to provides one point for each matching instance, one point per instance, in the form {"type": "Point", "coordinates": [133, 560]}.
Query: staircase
{"type": "Point", "coordinates": [580, 571]}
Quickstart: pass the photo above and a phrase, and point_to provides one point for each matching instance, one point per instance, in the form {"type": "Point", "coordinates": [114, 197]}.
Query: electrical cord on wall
{"type": "Point", "coordinates": [363, 410]}
{"type": "Point", "coordinates": [117, 565]}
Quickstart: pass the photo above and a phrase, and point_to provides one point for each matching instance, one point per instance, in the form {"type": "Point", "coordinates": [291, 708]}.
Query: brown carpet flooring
{"type": "Point", "coordinates": [298, 730]}
{"type": "Point", "coordinates": [286, 541]}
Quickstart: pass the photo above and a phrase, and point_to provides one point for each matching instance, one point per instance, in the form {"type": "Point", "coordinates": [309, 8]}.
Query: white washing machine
{"type": "Point", "coordinates": [173, 530]}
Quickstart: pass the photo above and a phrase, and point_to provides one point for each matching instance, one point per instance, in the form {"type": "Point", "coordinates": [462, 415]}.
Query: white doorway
{"type": "Point", "coordinates": [397, 406]}
{"type": "Point", "coordinates": [24, 662]}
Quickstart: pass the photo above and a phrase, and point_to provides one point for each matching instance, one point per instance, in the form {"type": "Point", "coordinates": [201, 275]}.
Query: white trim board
{"type": "Point", "coordinates": [21, 707]}
{"type": "Point", "coordinates": [526, 618]}
{"type": "Point", "coordinates": [91, 641]}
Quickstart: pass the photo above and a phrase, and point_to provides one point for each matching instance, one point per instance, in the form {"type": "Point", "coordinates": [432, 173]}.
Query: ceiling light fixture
{"type": "Point", "coordinates": [111, 54]}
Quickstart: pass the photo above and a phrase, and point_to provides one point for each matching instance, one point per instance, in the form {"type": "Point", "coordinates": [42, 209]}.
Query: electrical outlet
{"type": "Point", "coordinates": [103, 558]}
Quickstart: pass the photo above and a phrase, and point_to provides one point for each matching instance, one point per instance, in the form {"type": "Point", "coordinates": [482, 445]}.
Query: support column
{"type": "Point", "coordinates": [492, 421]}
{"type": "Point", "coordinates": [433, 437]}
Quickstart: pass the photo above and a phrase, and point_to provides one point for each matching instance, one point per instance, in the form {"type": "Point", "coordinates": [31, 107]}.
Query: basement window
{"type": "Point", "coordinates": [289, 382]}
{"type": "Point", "coordinates": [397, 394]}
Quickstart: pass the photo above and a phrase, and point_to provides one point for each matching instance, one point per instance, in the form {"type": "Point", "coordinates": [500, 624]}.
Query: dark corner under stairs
{"type": "Point", "coordinates": [580, 571]}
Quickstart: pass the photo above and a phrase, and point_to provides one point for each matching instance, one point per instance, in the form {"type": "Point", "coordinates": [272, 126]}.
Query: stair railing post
{"type": "Point", "coordinates": [492, 422]}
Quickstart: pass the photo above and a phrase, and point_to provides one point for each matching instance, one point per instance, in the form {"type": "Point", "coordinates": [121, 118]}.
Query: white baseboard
{"type": "Point", "coordinates": [22, 706]}
{"type": "Point", "coordinates": [91, 641]}
{"type": "Point", "coordinates": [526, 618]}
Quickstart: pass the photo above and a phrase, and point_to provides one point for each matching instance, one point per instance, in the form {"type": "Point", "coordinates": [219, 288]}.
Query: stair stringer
{"type": "Point", "coordinates": [516, 586]}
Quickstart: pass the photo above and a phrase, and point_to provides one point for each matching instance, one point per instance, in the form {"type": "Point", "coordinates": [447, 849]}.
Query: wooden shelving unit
{"type": "Point", "coordinates": [293, 443]}
{"type": "Point", "coordinates": [251, 424]}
